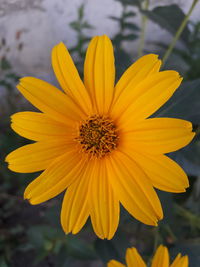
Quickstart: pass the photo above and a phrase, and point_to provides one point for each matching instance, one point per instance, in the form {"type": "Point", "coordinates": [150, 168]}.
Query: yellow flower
{"type": "Point", "coordinates": [160, 259]}
{"type": "Point", "coordinates": [95, 139]}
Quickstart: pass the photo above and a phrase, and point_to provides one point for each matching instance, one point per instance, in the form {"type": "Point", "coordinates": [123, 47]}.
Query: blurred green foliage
{"type": "Point", "coordinates": [80, 25]}
{"type": "Point", "coordinates": [32, 235]}
{"type": "Point", "coordinates": [190, 54]}
{"type": "Point", "coordinates": [169, 18]}
{"type": "Point", "coordinates": [127, 32]}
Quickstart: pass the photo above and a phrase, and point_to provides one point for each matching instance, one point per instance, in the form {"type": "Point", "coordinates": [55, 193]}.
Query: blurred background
{"type": "Point", "coordinates": [31, 236]}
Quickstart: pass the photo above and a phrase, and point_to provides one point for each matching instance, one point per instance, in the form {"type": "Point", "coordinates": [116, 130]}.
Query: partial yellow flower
{"type": "Point", "coordinates": [94, 138]}
{"type": "Point", "coordinates": [160, 259]}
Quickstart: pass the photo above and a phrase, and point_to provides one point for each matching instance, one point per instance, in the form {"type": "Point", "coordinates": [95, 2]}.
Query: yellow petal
{"type": "Point", "coordinates": [68, 77]}
{"type": "Point", "coordinates": [36, 157]}
{"type": "Point", "coordinates": [164, 173]}
{"type": "Point", "coordinates": [114, 263]}
{"type": "Point", "coordinates": [133, 258]}
{"type": "Point", "coordinates": [60, 174]}
{"type": "Point", "coordinates": [104, 206]}
{"type": "Point", "coordinates": [99, 73]}
{"type": "Point", "coordinates": [134, 189]}
{"type": "Point", "coordinates": [161, 124]}
{"type": "Point", "coordinates": [176, 261]}
{"type": "Point", "coordinates": [185, 261]}
{"type": "Point", "coordinates": [50, 100]}
{"type": "Point", "coordinates": [146, 98]}
{"type": "Point", "coordinates": [161, 258]}
{"type": "Point", "coordinates": [136, 73]}
{"type": "Point", "coordinates": [75, 208]}
{"type": "Point", "coordinates": [159, 135]}
{"type": "Point", "coordinates": [182, 262]}
{"type": "Point", "coordinates": [38, 126]}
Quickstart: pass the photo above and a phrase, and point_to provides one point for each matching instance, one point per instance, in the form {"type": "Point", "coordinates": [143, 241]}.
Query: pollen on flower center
{"type": "Point", "coordinates": [98, 136]}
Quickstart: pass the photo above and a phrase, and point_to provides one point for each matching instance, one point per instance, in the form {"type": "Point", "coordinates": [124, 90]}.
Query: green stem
{"type": "Point", "coordinates": [122, 21]}
{"type": "Point", "coordinates": [143, 30]}
{"type": "Point", "coordinates": [156, 240]}
{"type": "Point", "coordinates": [188, 215]}
{"type": "Point", "coordinates": [170, 232]}
{"type": "Point", "coordinates": [178, 33]}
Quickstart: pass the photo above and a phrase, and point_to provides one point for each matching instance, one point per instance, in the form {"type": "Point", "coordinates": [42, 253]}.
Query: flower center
{"type": "Point", "coordinates": [98, 136]}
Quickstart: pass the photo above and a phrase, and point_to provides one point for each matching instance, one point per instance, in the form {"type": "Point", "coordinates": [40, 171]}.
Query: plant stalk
{"type": "Point", "coordinates": [156, 240]}
{"type": "Point", "coordinates": [143, 30]}
{"type": "Point", "coordinates": [178, 33]}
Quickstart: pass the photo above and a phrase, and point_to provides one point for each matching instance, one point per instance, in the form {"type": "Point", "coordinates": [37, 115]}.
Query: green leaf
{"type": "Point", "coordinates": [12, 76]}
{"type": "Point", "coordinates": [187, 158]}
{"type": "Point", "coordinates": [169, 18]}
{"type": "Point", "coordinates": [81, 12]}
{"type": "Point", "coordinates": [25, 247]}
{"type": "Point", "coordinates": [130, 2]}
{"type": "Point", "coordinates": [131, 26]}
{"type": "Point", "coordinates": [57, 246]}
{"type": "Point", "coordinates": [3, 263]}
{"type": "Point", "coordinates": [52, 215]}
{"type": "Point", "coordinates": [5, 64]}
{"type": "Point", "coordinates": [115, 18]}
{"type": "Point", "coordinates": [40, 235]}
{"type": "Point", "coordinates": [85, 40]}
{"type": "Point", "coordinates": [129, 14]}
{"type": "Point", "coordinates": [63, 259]}
{"type": "Point", "coordinates": [8, 85]}
{"type": "Point", "coordinates": [122, 37]}
{"type": "Point", "coordinates": [48, 245]}
{"type": "Point", "coordinates": [75, 25]}
{"type": "Point", "coordinates": [35, 236]}
{"type": "Point", "coordinates": [42, 254]}
{"type": "Point", "coordinates": [194, 70]}
{"type": "Point", "coordinates": [185, 103]}
{"type": "Point", "coordinates": [106, 250]}
{"type": "Point", "coordinates": [79, 249]}
{"type": "Point", "coordinates": [123, 61]}
{"type": "Point", "coordinates": [129, 37]}
{"type": "Point", "coordinates": [86, 25]}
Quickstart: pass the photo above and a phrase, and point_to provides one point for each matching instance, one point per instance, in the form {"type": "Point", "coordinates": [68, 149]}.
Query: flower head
{"type": "Point", "coordinates": [160, 259]}
{"type": "Point", "coordinates": [95, 139]}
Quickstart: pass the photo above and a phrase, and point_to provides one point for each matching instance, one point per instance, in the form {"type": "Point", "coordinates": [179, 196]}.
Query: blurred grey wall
{"type": "Point", "coordinates": [37, 25]}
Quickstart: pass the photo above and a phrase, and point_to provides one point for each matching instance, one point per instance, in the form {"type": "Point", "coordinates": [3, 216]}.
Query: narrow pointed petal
{"type": "Point", "coordinates": [133, 258]}
{"type": "Point", "coordinates": [36, 157]}
{"type": "Point", "coordinates": [68, 77]}
{"type": "Point", "coordinates": [161, 258]}
{"type": "Point", "coordinates": [146, 98]}
{"type": "Point", "coordinates": [164, 173]}
{"type": "Point", "coordinates": [104, 206]}
{"type": "Point", "coordinates": [114, 263]}
{"type": "Point", "coordinates": [75, 208]}
{"type": "Point", "coordinates": [182, 262]}
{"type": "Point", "coordinates": [159, 135]}
{"type": "Point", "coordinates": [50, 100]}
{"type": "Point", "coordinates": [134, 189]}
{"type": "Point", "coordinates": [176, 261]}
{"type": "Point", "coordinates": [137, 72]}
{"type": "Point", "coordinates": [161, 124]}
{"type": "Point", "coordinates": [60, 174]}
{"type": "Point", "coordinates": [99, 73]}
{"type": "Point", "coordinates": [38, 127]}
